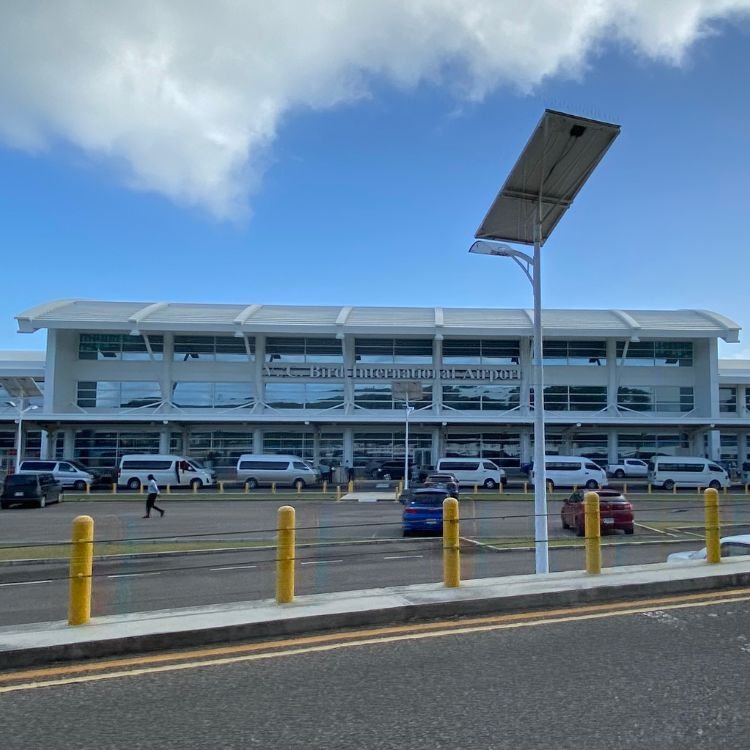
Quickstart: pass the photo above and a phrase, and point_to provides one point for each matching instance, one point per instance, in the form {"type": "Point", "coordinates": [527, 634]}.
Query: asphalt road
{"type": "Point", "coordinates": [38, 593]}
{"type": "Point", "coordinates": [328, 560]}
{"type": "Point", "coordinates": [668, 676]}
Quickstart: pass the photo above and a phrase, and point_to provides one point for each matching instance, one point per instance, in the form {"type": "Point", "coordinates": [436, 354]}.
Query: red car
{"type": "Point", "coordinates": [615, 512]}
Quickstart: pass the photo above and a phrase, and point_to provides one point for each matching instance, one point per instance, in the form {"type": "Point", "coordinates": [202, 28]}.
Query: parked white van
{"type": "Point", "coordinates": [684, 471]}
{"type": "Point", "coordinates": [471, 471]}
{"type": "Point", "coordinates": [68, 473]}
{"type": "Point", "coordinates": [176, 471]}
{"type": "Point", "coordinates": [573, 471]}
{"type": "Point", "coordinates": [255, 469]}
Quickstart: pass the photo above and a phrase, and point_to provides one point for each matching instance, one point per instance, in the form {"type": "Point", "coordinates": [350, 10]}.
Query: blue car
{"type": "Point", "coordinates": [424, 511]}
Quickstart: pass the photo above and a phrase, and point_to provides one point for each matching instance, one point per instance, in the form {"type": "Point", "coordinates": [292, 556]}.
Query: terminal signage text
{"type": "Point", "coordinates": [366, 372]}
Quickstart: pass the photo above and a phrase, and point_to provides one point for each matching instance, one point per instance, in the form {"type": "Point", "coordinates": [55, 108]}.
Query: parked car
{"type": "Point", "coordinates": [30, 489]}
{"type": "Point", "coordinates": [615, 512]}
{"type": "Point", "coordinates": [628, 467]}
{"type": "Point", "coordinates": [730, 546]}
{"type": "Point", "coordinates": [424, 511]}
{"type": "Point", "coordinates": [448, 481]}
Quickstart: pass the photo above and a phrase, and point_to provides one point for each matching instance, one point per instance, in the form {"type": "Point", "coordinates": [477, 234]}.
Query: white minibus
{"type": "Point", "coordinates": [175, 471]}
{"type": "Point", "coordinates": [572, 471]}
{"type": "Point", "coordinates": [257, 469]}
{"type": "Point", "coordinates": [472, 471]}
{"type": "Point", "coordinates": [685, 471]}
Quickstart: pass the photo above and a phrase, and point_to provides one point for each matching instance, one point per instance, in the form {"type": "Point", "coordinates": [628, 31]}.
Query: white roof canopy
{"type": "Point", "coordinates": [240, 319]}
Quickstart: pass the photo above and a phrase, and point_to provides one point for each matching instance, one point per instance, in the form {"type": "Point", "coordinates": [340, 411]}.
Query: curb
{"type": "Point", "coordinates": [396, 606]}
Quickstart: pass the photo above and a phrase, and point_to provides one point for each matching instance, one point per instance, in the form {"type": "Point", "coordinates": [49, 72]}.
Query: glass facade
{"type": "Point", "coordinates": [656, 353]}
{"type": "Point", "coordinates": [189, 395]}
{"type": "Point", "coordinates": [575, 398]}
{"type": "Point", "coordinates": [727, 399]}
{"type": "Point", "coordinates": [644, 445]}
{"type": "Point", "coordinates": [393, 351]}
{"type": "Point", "coordinates": [575, 352]}
{"type": "Point", "coordinates": [656, 398]}
{"type": "Point", "coordinates": [384, 445]}
{"type": "Point", "coordinates": [284, 350]}
{"type": "Point", "coordinates": [305, 395]}
{"type": "Point", "coordinates": [119, 346]}
{"type": "Point", "coordinates": [380, 396]}
{"type": "Point", "coordinates": [480, 352]}
{"type": "Point", "coordinates": [504, 448]}
{"type": "Point", "coordinates": [102, 449]}
{"type": "Point", "coordinates": [481, 397]}
{"type": "Point", "coordinates": [116, 394]}
{"type": "Point", "coordinates": [213, 349]}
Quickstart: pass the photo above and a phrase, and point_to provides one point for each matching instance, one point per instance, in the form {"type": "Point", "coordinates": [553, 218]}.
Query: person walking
{"type": "Point", "coordinates": [153, 493]}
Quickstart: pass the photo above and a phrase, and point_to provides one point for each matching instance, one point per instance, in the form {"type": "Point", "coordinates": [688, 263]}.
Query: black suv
{"type": "Point", "coordinates": [30, 489]}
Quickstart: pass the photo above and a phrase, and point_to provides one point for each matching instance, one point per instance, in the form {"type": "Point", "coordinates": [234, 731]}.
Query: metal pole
{"type": "Point", "coordinates": [541, 544]}
{"type": "Point", "coordinates": [19, 435]}
{"type": "Point", "coordinates": [406, 448]}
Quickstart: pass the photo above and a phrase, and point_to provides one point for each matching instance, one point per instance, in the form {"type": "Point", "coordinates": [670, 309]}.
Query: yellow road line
{"type": "Point", "coordinates": [329, 642]}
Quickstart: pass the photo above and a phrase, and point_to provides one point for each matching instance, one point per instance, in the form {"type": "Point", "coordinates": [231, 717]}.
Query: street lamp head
{"type": "Point", "coordinates": [482, 247]}
{"type": "Point", "coordinates": [11, 403]}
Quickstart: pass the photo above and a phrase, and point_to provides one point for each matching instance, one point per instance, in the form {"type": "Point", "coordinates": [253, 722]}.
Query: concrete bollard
{"type": "Point", "coordinates": [338, 492]}
{"type": "Point", "coordinates": [221, 487]}
{"type": "Point", "coordinates": [81, 568]}
{"type": "Point", "coordinates": [350, 486]}
{"type": "Point", "coordinates": [649, 488]}
{"type": "Point", "coordinates": [273, 488]}
{"type": "Point", "coordinates": [88, 488]}
{"type": "Point", "coordinates": [285, 555]}
{"type": "Point", "coordinates": [525, 488]}
{"type": "Point", "coordinates": [325, 486]}
{"type": "Point", "coordinates": [451, 547]}
{"type": "Point", "coordinates": [114, 488]}
{"type": "Point", "coordinates": [713, 529]}
{"type": "Point", "coordinates": [593, 541]}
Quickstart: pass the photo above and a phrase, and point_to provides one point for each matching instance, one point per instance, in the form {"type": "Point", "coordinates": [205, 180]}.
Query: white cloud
{"type": "Point", "coordinates": [186, 95]}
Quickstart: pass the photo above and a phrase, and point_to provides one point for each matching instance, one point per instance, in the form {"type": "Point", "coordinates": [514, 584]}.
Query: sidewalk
{"type": "Point", "coordinates": [43, 643]}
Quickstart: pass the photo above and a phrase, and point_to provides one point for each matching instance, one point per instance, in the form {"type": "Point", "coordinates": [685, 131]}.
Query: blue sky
{"type": "Point", "coordinates": [370, 195]}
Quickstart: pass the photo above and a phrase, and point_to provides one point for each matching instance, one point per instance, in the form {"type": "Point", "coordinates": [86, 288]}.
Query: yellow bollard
{"type": "Point", "coordinates": [451, 548]}
{"type": "Point", "coordinates": [713, 529]}
{"type": "Point", "coordinates": [142, 488]}
{"type": "Point", "coordinates": [194, 485]}
{"type": "Point", "coordinates": [350, 486]}
{"type": "Point", "coordinates": [221, 487]}
{"type": "Point", "coordinates": [746, 486]}
{"type": "Point", "coordinates": [525, 488]}
{"type": "Point", "coordinates": [625, 489]}
{"type": "Point", "coordinates": [649, 488]}
{"type": "Point", "coordinates": [81, 568]}
{"type": "Point", "coordinates": [247, 488]}
{"type": "Point", "coordinates": [299, 488]}
{"type": "Point", "coordinates": [674, 488]}
{"type": "Point", "coordinates": [476, 488]}
{"type": "Point", "coordinates": [88, 489]}
{"type": "Point", "coordinates": [169, 489]}
{"type": "Point", "coordinates": [338, 492]}
{"type": "Point", "coordinates": [273, 488]}
{"type": "Point", "coordinates": [499, 488]}
{"type": "Point", "coordinates": [114, 488]}
{"type": "Point", "coordinates": [325, 486]}
{"type": "Point", "coordinates": [285, 555]}
{"type": "Point", "coordinates": [549, 488]}
{"type": "Point", "coordinates": [593, 533]}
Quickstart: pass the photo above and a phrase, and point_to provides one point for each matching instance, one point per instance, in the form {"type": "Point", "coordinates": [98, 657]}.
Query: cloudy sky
{"type": "Point", "coordinates": [345, 151]}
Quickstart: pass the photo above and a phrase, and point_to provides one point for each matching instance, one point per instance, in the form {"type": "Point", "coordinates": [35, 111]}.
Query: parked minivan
{"type": "Point", "coordinates": [176, 471]}
{"type": "Point", "coordinates": [254, 469]}
{"type": "Point", "coordinates": [38, 489]}
{"type": "Point", "coordinates": [471, 471]}
{"type": "Point", "coordinates": [572, 471]}
{"type": "Point", "coordinates": [683, 471]}
{"type": "Point", "coordinates": [67, 473]}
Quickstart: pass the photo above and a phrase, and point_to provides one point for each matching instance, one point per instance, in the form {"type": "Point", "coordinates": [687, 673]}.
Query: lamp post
{"type": "Point", "coordinates": [19, 433]}
{"type": "Point", "coordinates": [559, 157]}
{"type": "Point", "coordinates": [531, 266]}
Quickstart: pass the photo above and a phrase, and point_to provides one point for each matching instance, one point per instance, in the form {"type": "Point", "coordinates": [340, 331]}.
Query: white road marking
{"type": "Point", "coordinates": [235, 567]}
{"type": "Point", "coordinates": [400, 557]}
{"type": "Point", "coordinates": [319, 562]}
{"type": "Point", "coordinates": [133, 575]}
{"type": "Point", "coordinates": [24, 583]}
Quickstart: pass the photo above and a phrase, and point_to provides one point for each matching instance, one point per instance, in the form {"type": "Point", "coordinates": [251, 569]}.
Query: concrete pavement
{"type": "Point", "coordinates": [44, 643]}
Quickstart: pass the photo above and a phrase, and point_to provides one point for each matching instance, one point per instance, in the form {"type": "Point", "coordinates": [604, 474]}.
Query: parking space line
{"type": "Point", "coordinates": [235, 567]}
{"type": "Point", "coordinates": [400, 557]}
{"type": "Point", "coordinates": [133, 575]}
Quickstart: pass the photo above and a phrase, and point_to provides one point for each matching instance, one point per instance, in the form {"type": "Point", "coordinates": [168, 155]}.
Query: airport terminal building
{"type": "Point", "coordinates": [213, 381]}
